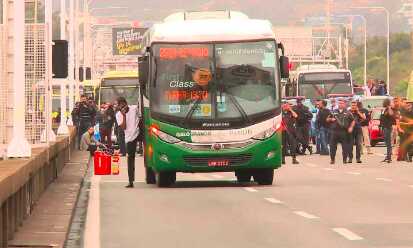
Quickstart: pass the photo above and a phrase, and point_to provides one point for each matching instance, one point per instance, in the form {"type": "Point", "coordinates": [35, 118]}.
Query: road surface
{"type": "Point", "coordinates": [314, 205]}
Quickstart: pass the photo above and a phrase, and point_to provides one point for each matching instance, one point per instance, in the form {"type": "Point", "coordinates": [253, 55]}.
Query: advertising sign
{"type": "Point", "coordinates": [127, 41]}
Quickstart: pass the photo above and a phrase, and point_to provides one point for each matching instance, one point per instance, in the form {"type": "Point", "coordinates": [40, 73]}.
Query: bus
{"type": "Point", "coordinates": [322, 82]}
{"type": "Point", "coordinates": [211, 97]}
{"type": "Point", "coordinates": [116, 84]}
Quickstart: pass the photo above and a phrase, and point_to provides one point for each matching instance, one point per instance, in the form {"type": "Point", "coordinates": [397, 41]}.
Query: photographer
{"type": "Point", "coordinates": [341, 127]}
{"type": "Point", "coordinates": [289, 135]}
{"type": "Point", "coordinates": [128, 120]}
{"type": "Point", "coordinates": [357, 136]}
{"type": "Point", "coordinates": [388, 121]}
{"type": "Point", "coordinates": [323, 125]}
{"type": "Point", "coordinates": [83, 116]}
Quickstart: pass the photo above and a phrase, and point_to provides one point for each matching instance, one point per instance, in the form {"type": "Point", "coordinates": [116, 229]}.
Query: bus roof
{"type": "Point", "coordinates": [120, 74]}
{"type": "Point", "coordinates": [181, 30]}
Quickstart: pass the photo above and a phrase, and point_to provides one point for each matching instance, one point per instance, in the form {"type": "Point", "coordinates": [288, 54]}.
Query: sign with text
{"type": "Point", "coordinates": [127, 41]}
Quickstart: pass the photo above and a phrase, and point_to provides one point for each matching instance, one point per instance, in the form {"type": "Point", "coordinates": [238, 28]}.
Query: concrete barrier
{"type": "Point", "coordinates": [22, 181]}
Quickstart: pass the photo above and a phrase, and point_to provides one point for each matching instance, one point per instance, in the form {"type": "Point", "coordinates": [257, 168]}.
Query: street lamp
{"type": "Point", "coordinates": [363, 18]}
{"type": "Point", "coordinates": [388, 38]}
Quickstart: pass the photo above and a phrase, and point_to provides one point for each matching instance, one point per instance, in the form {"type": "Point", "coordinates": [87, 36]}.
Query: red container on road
{"type": "Point", "coordinates": [102, 163]}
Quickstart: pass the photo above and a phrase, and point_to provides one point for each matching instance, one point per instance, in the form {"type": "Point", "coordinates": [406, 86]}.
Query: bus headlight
{"type": "Point", "coordinates": [265, 135]}
{"type": "Point", "coordinates": [154, 130]}
{"type": "Point", "coordinates": [168, 138]}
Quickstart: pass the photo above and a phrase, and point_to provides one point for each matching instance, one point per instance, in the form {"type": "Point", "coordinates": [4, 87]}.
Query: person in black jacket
{"type": "Point", "coordinates": [83, 116]}
{"type": "Point", "coordinates": [303, 126]}
{"type": "Point", "coordinates": [289, 135]}
{"type": "Point", "coordinates": [359, 118]}
{"type": "Point", "coordinates": [388, 121]}
{"type": "Point", "coordinates": [341, 129]}
{"type": "Point", "coordinates": [323, 127]}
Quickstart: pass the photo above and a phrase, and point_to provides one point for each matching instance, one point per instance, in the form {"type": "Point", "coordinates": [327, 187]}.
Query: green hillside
{"type": "Point", "coordinates": [401, 63]}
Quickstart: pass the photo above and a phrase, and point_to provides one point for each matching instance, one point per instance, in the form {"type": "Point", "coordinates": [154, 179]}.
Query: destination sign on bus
{"type": "Point", "coordinates": [183, 95]}
{"type": "Point", "coordinates": [171, 53]}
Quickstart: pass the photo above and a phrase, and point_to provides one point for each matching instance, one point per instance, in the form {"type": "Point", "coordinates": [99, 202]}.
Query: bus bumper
{"type": "Point", "coordinates": [162, 156]}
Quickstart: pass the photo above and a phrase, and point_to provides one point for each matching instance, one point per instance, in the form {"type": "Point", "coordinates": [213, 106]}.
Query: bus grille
{"type": "Point", "coordinates": [203, 160]}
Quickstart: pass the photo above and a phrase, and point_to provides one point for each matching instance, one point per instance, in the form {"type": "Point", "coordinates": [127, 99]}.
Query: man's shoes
{"type": "Point", "coordinates": [283, 161]}
{"type": "Point", "coordinates": [344, 161]}
{"type": "Point", "coordinates": [130, 185]}
{"type": "Point", "coordinates": [332, 161]}
{"type": "Point", "coordinates": [386, 160]}
{"type": "Point", "coordinates": [350, 161]}
{"type": "Point", "coordinates": [359, 161]}
{"type": "Point", "coordinates": [295, 161]}
{"type": "Point", "coordinates": [310, 148]}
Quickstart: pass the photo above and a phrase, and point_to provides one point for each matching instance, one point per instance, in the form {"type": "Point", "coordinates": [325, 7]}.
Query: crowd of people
{"type": "Point", "coordinates": [346, 122]}
{"type": "Point", "coordinates": [96, 125]}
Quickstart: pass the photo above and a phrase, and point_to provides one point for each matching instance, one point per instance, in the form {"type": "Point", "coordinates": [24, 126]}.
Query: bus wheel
{"type": "Point", "coordinates": [243, 177]}
{"type": "Point", "coordinates": [264, 176]}
{"type": "Point", "coordinates": [150, 176]}
{"type": "Point", "coordinates": [165, 179]}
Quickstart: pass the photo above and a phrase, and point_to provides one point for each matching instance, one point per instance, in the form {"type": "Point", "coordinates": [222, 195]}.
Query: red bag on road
{"type": "Point", "coordinates": [102, 163]}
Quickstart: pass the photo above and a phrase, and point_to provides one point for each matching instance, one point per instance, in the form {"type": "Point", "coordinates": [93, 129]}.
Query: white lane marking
{"type": "Point", "coordinates": [354, 173]}
{"type": "Point", "coordinates": [92, 228]}
{"type": "Point", "coordinates": [273, 200]}
{"type": "Point", "coordinates": [201, 177]}
{"type": "Point", "coordinates": [383, 179]}
{"type": "Point", "coordinates": [411, 186]}
{"type": "Point", "coordinates": [249, 189]}
{"type": "Point", "coordinates": [329, 169]}
{"type": "Point", "coordinates": [347, 234]}
{"type": "Point", "coordinates": [311, 165]}
{"type": "Point", "coordinates": [379, 154]}
{"type": "Point", "coordinates": [217, 176]}
{"type": "Point", "coordinates": [306, 215]}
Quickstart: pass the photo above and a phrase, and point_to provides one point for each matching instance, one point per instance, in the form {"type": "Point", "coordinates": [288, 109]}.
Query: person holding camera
{"type": "Point", "coordinates": [303, 126]}
{"type": "Point", "coordinates": [388, 121]}
{"type": "Point", "coordinates": [341, 129]}
{"type": "Point", "coordinates": [83, 116]}
{"type": "Point", "coordinates": [357, 139]}
{"type": "Point", "coordinates": [128, 120]}
{"type": "Point", "coordinates": [289, 134]}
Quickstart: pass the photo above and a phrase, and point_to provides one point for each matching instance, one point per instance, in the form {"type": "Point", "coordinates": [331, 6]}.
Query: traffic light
{"type": "Point", "coordinates": [60, 59]}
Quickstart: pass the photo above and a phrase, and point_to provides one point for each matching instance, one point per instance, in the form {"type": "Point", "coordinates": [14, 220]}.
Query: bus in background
{"type": "Point", "coordinates": [90, 88]}
{"type": "Point", "coordinates": [116, 84]}
{"type": "Point", "coordinates": [211, 94]}
{"type": "Point", "coordinates": [322, 82]}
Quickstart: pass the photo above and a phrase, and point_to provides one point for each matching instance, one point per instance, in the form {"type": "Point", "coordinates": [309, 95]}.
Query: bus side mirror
{"type": "Point", "coordinates": [143, 68]}
{"type": "Point", "coordinates": [284, 67]}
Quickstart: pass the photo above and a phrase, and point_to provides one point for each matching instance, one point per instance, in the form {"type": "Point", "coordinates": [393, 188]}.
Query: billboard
{"type": "Point", "coordinates": [127, 41]}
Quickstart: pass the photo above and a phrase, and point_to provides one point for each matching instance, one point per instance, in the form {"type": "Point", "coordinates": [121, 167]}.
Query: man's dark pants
{"type": "Point", "coordinates": [303, 135]}
{"type": "Point", "coordinates": [289, 142]}
{"type": "Point", "coordinates": [340, 137]}
{"type": "Point", "coordinates": [358, 142]}
{"type": "Point", "coordinates": [120, 133]}
{"type": "Point", "coordinates": [131, 150]}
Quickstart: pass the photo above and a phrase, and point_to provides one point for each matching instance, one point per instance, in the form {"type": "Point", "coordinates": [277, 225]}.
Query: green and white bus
{"type": "Point", "coordinates": [211, 97]}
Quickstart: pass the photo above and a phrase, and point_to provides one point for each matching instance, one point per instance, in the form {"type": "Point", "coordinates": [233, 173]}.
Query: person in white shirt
{"type": "Point", "coordinates": [128, 119]}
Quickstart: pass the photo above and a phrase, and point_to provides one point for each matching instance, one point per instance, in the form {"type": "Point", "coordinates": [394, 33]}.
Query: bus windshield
{"type": "Point", "coordinates": [110, 93]}
{"type": "Point", "coordinates": [320, 85]}
{"type": "Point", "coordinates": [231, 82]}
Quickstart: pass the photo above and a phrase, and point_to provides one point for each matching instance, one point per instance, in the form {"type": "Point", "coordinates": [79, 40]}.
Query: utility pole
{"type": "Point", "coordinates": [19, 146]}
{"type": "Point", "coordinates": [63, 129]}
{"type": "Point", "coordinates": [71, 58]}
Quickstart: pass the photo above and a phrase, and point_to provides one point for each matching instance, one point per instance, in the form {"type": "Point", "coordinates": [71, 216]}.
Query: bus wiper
{"type": "Point", "coordinates": [192, 110]}
{"type": "Point", "coordinates": [239, 107]}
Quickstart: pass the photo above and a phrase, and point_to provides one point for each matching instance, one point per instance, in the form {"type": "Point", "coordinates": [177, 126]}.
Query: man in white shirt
{"type": "Point", "coordinates": [128, 119]}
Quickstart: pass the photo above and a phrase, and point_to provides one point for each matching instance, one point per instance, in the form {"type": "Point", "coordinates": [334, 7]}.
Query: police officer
{"type": "Point", "coordinates": [83, 116]}
{"type": "Point", "coordinates": [341, 129]}
{"type": "Point", "coordinates": [303, 125]}
{"type": "Point", "coordinates": [289, 135]}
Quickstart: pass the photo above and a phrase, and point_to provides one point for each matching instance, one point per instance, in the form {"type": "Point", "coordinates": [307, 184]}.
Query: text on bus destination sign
{"type": "Point", "coordinates": [182, 95]}
{"type": "Point", "coordinates": [170, 53]}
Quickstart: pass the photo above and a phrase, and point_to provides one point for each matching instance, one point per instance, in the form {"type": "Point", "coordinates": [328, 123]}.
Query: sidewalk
{"type": "Point", "coordinates": [49, 224]}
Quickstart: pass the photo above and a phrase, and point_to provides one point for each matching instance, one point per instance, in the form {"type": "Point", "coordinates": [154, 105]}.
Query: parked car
{"type": "Point", "coordinates": [375, 129]}
{"type": "Point", "coordinates": [372, 102]}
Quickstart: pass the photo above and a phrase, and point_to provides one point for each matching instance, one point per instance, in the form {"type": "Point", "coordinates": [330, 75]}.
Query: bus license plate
{"type": "Point", "coordinates": [218, 163]}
